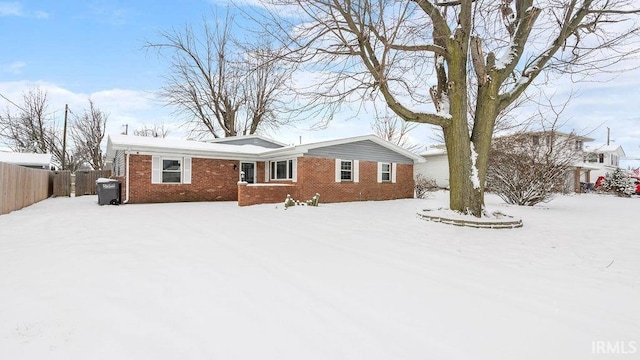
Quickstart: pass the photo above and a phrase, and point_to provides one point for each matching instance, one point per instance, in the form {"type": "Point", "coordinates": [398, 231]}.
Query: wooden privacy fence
{"type": "Point", "coordinates": [21, 186]}
{"type": "Point", "coordinates": [86, 181]}
{"type": "Point", "coordinates": [62, 183]}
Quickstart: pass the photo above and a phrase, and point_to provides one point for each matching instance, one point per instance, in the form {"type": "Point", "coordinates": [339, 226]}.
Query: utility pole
{"type": "Point", "coordinates": [64, 137]}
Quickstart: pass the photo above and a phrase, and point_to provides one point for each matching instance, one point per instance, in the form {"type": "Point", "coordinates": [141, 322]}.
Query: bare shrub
{"type": "Point", "coordinates": [424, 185]}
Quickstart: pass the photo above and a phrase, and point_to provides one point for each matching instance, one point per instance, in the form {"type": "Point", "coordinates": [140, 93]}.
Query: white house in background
{"type": "Point", "coordinates": [436, 166]}
{"type": "Point", "coordinates": [603, 159]}
{"type": "Point", "coordinates": [30, 160]}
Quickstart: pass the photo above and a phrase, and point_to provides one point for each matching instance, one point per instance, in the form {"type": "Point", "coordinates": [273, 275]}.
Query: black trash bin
{"type": "Point", "coordinates": [108, 191]}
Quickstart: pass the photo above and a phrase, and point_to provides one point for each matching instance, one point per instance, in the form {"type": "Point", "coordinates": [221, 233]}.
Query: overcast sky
{"type": "Point", "coordinates": [93, 48]}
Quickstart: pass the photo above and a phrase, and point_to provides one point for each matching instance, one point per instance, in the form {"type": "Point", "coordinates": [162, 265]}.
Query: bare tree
{"type": "Point", "coordinates": [87, 133]}
{"type": "Point", "coordinates": [394, 50]}
{"type": "Point", "coordinates": [158, 131]}
{"type": "Point", "coordinates": [32, 128]}
{"type": "Point", "coordinates": [225, 87]}
{"type": "Point", "coordinates": [395, 130]}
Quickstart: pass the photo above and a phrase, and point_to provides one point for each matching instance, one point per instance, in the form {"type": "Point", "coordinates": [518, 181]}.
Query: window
{"type": "Point", "coordinates": [346, 170]}
{"type": "Point", "coordinates": [386, 172]}
{"type": "Point", "coordinates": [170, 170]}
{"type": "Point", "coordinates": [578, 144]}
{"type": "Point", "coordinates": [601, 158]}
{"type": "Point", "coordinates": [282, 170]}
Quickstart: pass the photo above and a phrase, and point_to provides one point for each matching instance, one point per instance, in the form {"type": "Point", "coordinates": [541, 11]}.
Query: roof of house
{"type": "Point", "coordinates": [249, 140]}
{"type": "Point", "coordinates": [604, 148]}
{"type": "Point", "coordinates": [435, 150]}
{"type": "Point", "coordinates": [304, 148]}
{"type": "Point", "coordinates": [176, 146]}
{"type": "Point", "coordinates": [229, 151]}
{"type": "Point", "coordinates": [26, 159]}
{"type": "Point", "coordinates": [555, 132]}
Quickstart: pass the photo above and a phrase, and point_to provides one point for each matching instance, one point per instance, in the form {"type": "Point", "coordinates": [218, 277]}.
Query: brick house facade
{"type": "Point", "coordinates": [300, 172]}
{"type": "Point", "coordinates": [211, 180]}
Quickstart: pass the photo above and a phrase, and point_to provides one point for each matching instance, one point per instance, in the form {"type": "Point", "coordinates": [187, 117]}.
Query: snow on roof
{"type": "Point", "coordinates": [26, 159]}
{"type": "Point", "coordinates": [240, 137]}
{"type": "Point", "coordinates": [584, 165]}
{"type": "Point", "coordinates": [434, 152]}
{"type": "Point", "coordinates": [122, 142]}
{"type": "Point", "coordinates": [303, 148]}
{"type": "Point", "coordinates": [603, 148]}
{"type": "Point", "coordinates": [142, 143]}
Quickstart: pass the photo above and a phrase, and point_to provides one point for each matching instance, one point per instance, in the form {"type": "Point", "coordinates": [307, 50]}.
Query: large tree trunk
{"type": "Point", "coordinates": [464, 196]}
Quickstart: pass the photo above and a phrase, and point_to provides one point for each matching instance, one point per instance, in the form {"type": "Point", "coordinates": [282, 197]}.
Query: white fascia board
{"type": "Point", "coordinates": [281, 154]}
{"type": "Point", "coordinates": [195, 154]}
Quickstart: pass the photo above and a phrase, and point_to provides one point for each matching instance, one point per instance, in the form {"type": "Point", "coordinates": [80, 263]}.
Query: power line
{"type": "Point", "coordinates": [22, 109]}
{"type": "Point", "coordinates": [12, 103]}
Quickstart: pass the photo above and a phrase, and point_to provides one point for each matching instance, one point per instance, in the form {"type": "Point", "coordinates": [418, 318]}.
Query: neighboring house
{"type": "Point", "coordinates": [30, 160]}
{"type": "Point", "coordinates": [169, 170]}
{"type": "Point", "coordinates": [567, 146]}
{"type": "Point", "coordinates": [570, 146]}
{"type": "Point", "coordinates": [603, 158]}
{"type": "Point", "coordinates": [436, 166]}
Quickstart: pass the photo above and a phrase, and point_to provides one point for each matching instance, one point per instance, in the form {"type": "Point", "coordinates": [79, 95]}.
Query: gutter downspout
{"type": "Point", "coordinates": [126, 196]}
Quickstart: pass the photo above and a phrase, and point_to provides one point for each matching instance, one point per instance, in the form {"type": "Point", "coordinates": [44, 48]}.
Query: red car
{"type": "Point", "coordinates": [636, 181]}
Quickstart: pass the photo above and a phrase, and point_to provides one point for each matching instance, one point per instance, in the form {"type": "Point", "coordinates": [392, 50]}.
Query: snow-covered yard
{"type": "Point", "coordinates": [362, 280]}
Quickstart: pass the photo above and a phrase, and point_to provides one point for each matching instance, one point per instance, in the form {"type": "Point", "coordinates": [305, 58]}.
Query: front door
{"type": "Point", "coordinates": [249, 170]}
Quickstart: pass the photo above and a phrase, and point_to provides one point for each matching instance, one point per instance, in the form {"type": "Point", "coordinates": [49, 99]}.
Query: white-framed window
{"type": "Point", "coordinates": [170, 170]}
{"type": "Point", "coordinates": [282, 170]}
{"type": "Point", "coordinates": [347, 170]}
{"type": "Point", "coordinates": [387, 172]}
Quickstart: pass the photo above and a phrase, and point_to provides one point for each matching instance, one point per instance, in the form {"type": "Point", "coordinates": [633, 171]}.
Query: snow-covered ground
{"type": "Point", "coordinates": [365, 280]}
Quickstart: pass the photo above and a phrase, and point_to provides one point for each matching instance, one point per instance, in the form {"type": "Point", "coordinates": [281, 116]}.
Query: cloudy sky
{"type": "Point", "coordinates": [77, 50]}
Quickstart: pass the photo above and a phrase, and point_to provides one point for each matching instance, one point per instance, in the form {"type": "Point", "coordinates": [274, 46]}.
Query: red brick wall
{"type": "Point", "coordinates": [216, 180]}
{"type": "Point", "coordinates": [211, 180]}
{"type": "Point", "coordinates": [260, 172]}
{"type": "Point", "coordinates": [265, 194]}
{"type": "Point", "coordinates": [317, 175]}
